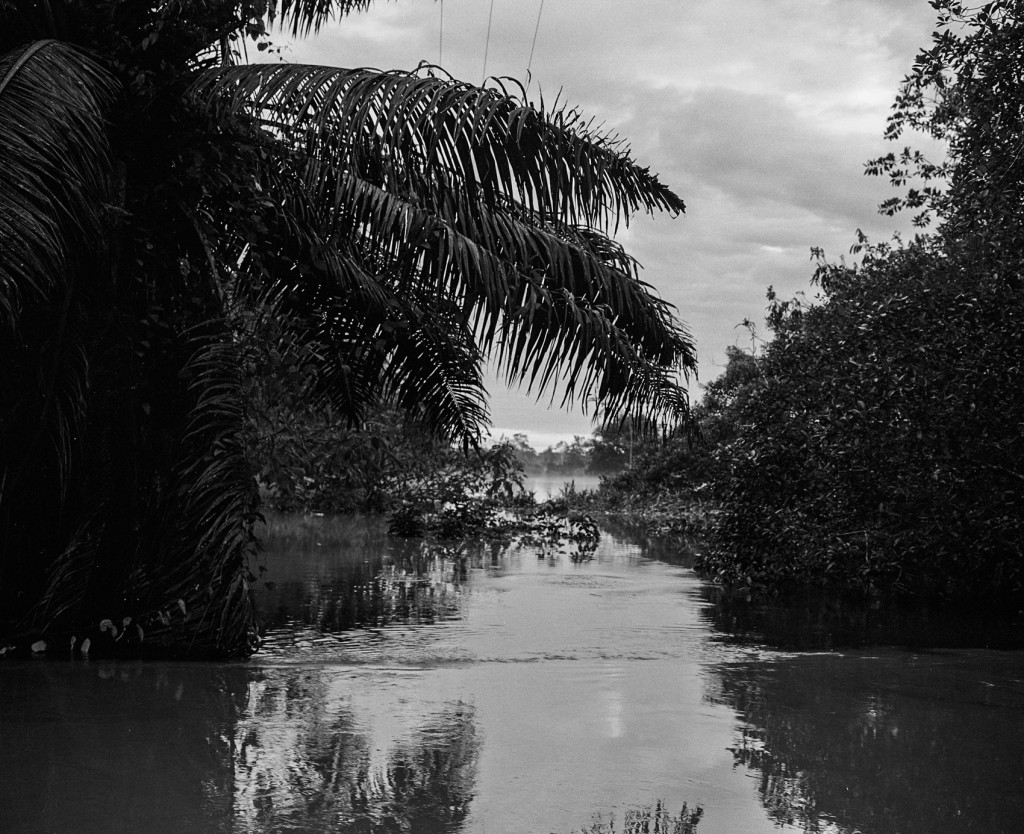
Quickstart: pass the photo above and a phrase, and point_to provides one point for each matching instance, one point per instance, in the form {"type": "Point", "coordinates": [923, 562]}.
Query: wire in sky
{"type": "Point", "coordinates": [440, 38]}
{"type": "Point", "coordinates": [487, 46]}
{"type": "Point", "coordinates": [533, 45]}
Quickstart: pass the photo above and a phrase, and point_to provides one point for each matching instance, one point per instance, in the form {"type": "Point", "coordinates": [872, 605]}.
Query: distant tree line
{"type": "Point", "coordinates": [607, 451]}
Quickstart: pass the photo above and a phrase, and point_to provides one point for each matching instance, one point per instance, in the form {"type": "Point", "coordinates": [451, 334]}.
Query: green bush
{"type": "Point", "coordinates": [882, 446]}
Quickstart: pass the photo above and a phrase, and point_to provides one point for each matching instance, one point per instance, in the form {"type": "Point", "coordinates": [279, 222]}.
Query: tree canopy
{"type": "Point", "coordinates": [176, 222]}
{"type": "Point", "coordinates": [879, 446]}
{"type": "Point", "coordinates": [875, 444]}
{"type": "Point", "coordinates": [964, 91]}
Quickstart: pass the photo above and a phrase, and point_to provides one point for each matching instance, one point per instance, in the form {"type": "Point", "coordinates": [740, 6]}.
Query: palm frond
{"type": "Point", "coordinates": [67, 387]}
{"type": "Point", "coordinates": [305, 16]}
{"type": "Point", "coordinates": [59, 607]}
{"type": "Point", "coordinates": [406, 128]}
{"type": "Point", "coordinates": [421, 186]}
{"type": "Point", "coordinates": [54, 167]}
{"type": "Point", "coordinates": [188, 588]}
{"type": "Point", "coordinates": [435, 370]}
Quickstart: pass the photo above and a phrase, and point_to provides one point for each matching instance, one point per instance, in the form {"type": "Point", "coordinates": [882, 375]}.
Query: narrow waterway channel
{"type": "Point", "coordinates": [404, 687]}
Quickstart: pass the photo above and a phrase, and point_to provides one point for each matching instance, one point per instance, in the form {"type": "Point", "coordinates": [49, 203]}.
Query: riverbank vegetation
{"type": "Point", "coordinates": [876, 442]}
{"type": "Point", "coordinates": [225, 283]}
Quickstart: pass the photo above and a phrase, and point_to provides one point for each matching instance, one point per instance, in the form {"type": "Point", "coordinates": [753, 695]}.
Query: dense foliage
{"type": "Point", "coordinates": [965, 92]}
{"type": "Point", "coordinates": [876, 443]}
{"type": "Point", "coordinates": [311, 460]}
{"type": "Point", "coordinates": [881, 445]}
{"type": "Point", "coordinates": [177, 225]}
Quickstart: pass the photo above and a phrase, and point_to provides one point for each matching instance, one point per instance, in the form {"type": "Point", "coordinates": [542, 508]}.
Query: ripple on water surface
{"type": "Point", "coordinates": [408, 688]}
{"type": "Point", "coordinates": [469, 609]}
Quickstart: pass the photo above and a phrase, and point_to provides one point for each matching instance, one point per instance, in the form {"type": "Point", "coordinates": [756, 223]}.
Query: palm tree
{"type": "Point", "coordinates": [167, 211]}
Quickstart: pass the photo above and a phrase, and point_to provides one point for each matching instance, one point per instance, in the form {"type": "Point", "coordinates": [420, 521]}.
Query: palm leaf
{"type": "Point", "coordinates": [434, 370]}
{"type": "Point", "coordinates": [68, 580]}
{"type": "Point", "coordinates": [54, 167]}
{"type": "Point", "coordinates": [187, 588]}
{"type": "Point", "coordinates": [419, 185]}
{"type": "Point", "coordinates": [305, 16]}
{"type": "Point", "coordinates": [407, 127]}
{"type": "Point", "coordinates": [54, 171]}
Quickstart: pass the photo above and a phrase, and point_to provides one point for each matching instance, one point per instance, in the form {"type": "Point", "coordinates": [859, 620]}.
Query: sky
{"type": "Point", "coordinates": [760, 114]}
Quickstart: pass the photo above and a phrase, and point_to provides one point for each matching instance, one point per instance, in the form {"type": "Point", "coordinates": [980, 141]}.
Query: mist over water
{"type": "Point", "coordinates": [545, 486]}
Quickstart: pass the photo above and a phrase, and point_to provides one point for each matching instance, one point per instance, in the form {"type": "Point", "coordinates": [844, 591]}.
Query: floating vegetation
{"type": "Point", "coordinates": [550, 529]}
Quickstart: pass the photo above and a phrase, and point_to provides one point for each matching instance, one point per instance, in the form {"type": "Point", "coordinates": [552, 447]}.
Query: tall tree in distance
{"type": "Point", "coordinates": [168, 211]}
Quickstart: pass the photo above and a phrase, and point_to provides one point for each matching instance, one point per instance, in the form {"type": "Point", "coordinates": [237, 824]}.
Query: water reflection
{"type": "Point", "coordinates": [814, 621]}
{"type": "Point", "coordinates": [310, 756]}
{"type": "Point", "coordinates": [649, 820]}
{"type": "Point", "coordinates": [170, 747]}
{"type": "Point", "coordinates": [883, 742]}
{"type": "Point", "coordinates": [98, 747]}
{"type": "Point", "coordinates": [402, 585]}
{"type": "Point", "coordinates": [494, 689]}
{"type": "Point", "coordinates": [926, 737]}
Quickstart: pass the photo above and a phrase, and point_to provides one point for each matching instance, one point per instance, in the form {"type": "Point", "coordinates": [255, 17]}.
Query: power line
{"type": "Point", "coordinates": [533, 45]}
{"type": "Point", "coordinates": [440, 38]}
{"type": "Point", "coordinates": [487, 46]}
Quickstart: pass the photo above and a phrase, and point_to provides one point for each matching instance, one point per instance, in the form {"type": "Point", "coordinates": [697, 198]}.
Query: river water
{"type": "Point", "coordinates": [408, 688]}
{"type": "Point", "coordinates": [547, 485]}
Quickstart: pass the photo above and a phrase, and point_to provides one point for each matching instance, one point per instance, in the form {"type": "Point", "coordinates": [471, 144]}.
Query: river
{"type": "Point", "coordinates": [547, 485]}
{"type": "Point", "coordinates": [407, 688]}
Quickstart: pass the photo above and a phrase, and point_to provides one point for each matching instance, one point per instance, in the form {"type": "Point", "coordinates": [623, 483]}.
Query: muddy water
{"type": "Point", "coordinates": [410, 688]}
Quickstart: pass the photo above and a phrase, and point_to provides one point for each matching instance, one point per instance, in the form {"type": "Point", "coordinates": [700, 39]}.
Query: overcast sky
{"type": "Point", "coordinates": [760, 114]}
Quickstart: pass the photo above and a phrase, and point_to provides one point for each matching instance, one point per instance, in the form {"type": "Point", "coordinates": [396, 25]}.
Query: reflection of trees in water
{"type": "Point", "coordinates": [649, 820]}
{"type": "Point", "coordinates": [422, 587]}
{"type": "Point", "coordinates": [809, 620]}
{"type": "Point", "coordinates": [672, 550]}
{"type": "Point", "coordinates": [883, 744]}
{"type": "Point", "coordinates": [307, 758]}
{"type": "Point", "coordinates": [374, 588]}
{"type": "Point", "coordinates": [333, 585]}
{"type": "Point", "coordinates": [113, 746]}
{"type": "Point", "coordinates": [176, 747]}
{"type": "Point", "coordinates": [333, 575]}
{"type": "Point", "coordinates": [427, 782]}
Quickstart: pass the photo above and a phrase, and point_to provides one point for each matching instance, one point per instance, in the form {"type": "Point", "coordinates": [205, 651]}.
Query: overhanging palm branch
{"type": "Point", "coordinates": [54, 168]}
{"type": "Point", "coordinates": [188, 584]}
{"type": "Point", "coordinates": [411, 351]}
{"type": "Point", "coordinates": [400, 228]}
{"type": "Point", "coordinates": [427, 187]}
{"type": "Point", "coordinates": [305, 16]}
